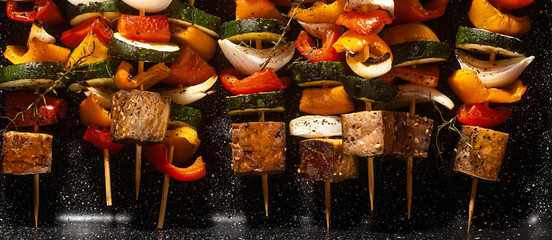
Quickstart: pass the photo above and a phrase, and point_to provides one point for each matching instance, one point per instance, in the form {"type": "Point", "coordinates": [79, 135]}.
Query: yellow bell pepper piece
{"type": "Point", "coordinates": [37, 52]}
{"type": "Point", "coordinates": [185, 142]}
{"type": "Point", "coordinates": [92, 47]}
{"type": "Point", "coordinates": [202, 43]}
{"type": "Point", "coordinates": [93, 114]}
{"type": "Point", "coordinates": [485, 16]}
{"type": "Point", "coordinates": [364, 45]}
{"type": "Point", "coordinates": [320, 12]}
{"type": "Point", "coordinates": [469, 89]}
{"type": "Point", "coordinates": [407, 32]}
{"type": "Point", "coordinates": [249, 9]}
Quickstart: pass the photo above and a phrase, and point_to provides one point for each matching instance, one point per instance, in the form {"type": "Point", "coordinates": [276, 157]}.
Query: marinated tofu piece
{"type": "Point", "coordinates": [324, 160]}
{"type": "Point", "coordinates": [26, 153]}
{"type": "Point", "coordinates": [258, 148]}
{"type": "Point", "coordinates": [139, 117]}
{"type": "Point", "coordinates": [480, 152]}
{"type": "Point", "coordinates": [412, 135]}
{"type": "Point", "coordinates": [368, 133]}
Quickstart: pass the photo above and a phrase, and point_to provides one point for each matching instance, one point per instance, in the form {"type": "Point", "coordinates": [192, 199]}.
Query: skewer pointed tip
{"type": "Point", "coordinates": [265, 192]}
{"type": "Point", "coordinates": [138, 169]}
{"type": "Point", "coordinates": [371, 183]}
{"type": "Point", "coordinates": [36, 198]}
{"type": "Point", "coordinates": [409, 184]}
{"type": "Point", "coordinates": [472, 201]}
{"type": "Point", "coordinates": [327, 194]}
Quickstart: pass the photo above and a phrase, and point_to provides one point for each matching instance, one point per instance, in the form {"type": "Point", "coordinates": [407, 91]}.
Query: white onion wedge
{"type": "Point", "coordinates": [368, 5]}
{"type": "Point", "coordinates": [318, 30]}
{"type": "Point", "coordinates": [149, 6]}
{"type": "Point", "coordinates": [104, 96]}
{"type": "Point", "coordinates": [369, 70]}
{"type": "Point", "coordinates": [39, 33]}
{"type": "Point", "coordinates": [420, 94]}
{"type": "Point", "coordinates": [315, 126]}
{"type": "Point", "coordinates": [190, 94]}
{"type": "Point", "coordinates": [499, 74]}
{"type": "Point", "coordinates": [249, 60]}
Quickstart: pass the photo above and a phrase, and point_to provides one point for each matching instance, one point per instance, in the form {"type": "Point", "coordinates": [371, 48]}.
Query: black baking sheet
{"type": "Point", "coordinates": [223, 206]}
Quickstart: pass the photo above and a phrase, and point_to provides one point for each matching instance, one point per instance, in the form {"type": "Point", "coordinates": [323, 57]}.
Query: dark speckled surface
{"type": "Point", "coordinates": [223, 206]}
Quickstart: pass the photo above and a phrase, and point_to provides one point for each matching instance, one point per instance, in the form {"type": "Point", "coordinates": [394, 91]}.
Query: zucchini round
{"type": "Point", "coordinates": [483, 41]}
{"type": "Point", "coordinates": [111, 10]}
{"type": "Point", "coordinates": [244, 30]}
{"type": "Point", "coordinates": [255, 103]}
{"type": "Point", "coordinates": [26, 76]}
{"type": "Point", "coordinates": [419, 52]}
{"type": "Point", "coordinates": [185, 15]}
{"type": "Point", "coordinates": [369, 89]}
{"type": "Point", "coordinates": [140, 51]}
{"type": "Point", "coordinates": [309, 74]}
{"type": "Point", "coordinates": [99, 74]}
{"type": "Point", "coordinates": [182, 116]}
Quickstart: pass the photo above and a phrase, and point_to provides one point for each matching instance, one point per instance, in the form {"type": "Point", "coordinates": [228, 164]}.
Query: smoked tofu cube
{"type": "Point", "coordinates": [367, 133]}
{"type": "Point", "coordinates": [26, 153]}
{"type": "Point", "coordinates": [258, 148]}
{"type": "Point", "coordinates": [480, 152]}
{"type": "Point", "coordinates": [324, 160]}
{"type": "Point", "coordinates": [139, 117]}
{"type": "Point", "coordinates": [412, 135]}
{"type": "Point", "coordinates": [375, 133]}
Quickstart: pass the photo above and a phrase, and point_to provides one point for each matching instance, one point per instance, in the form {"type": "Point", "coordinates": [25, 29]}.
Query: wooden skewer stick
{"type": "Point", "coordinates": [472, 201]}
{"type": "Point", "coordinates": [139, 147]}
{"type": "Point", "coordinates": [371, 184]}
{"type": "Point", "coordinates": [165, 193]}
{"type": "Point", "coordinates": [492, 57]}
{"type": "Point", "coordinates": [36, 191]}
{"type": "Point", "coordinates": [409, 164]}
{"type": "Point", "coordinates": [328, 201]}
{"type": "Point", "coordinates": [259, 45]}
{"type": "Point", "coordinates": [191, 2]}
{"type": "Point", "coordinates": [107, 173]}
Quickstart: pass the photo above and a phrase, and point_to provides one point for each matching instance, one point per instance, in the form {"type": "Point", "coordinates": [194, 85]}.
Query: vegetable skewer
{"type": "Point", "coordinates": [36, 190]}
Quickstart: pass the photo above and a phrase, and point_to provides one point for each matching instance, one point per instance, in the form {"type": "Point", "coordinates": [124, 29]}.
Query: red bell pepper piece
{"type": "Point", "coordinates": [157, 156]}
{"type": "Point", "coordinates": [102, 140]}
{"type": "Point", "coordinates": [327, 52]}
{"type": "Point", "coordinates": [190, 69]}
{"type": "Point", "coordinates": [144, 28]}
{"type": "Point", "coordinates": [45, 11]}
{"type": "Point", "coordinates": [482, 116]}
{"type": "Point", "coordinates": [371, 22]}
{"type": "Point", "coordinates": [263, 81]}
{"type": "Point", "coordinates": [508, 5]}
{"type": "Point", "coordinates": [414, 11]}
{"type": "Point", "coordinates": [98, 25]}
{"type": "Point", "coordinates": [16, 108]}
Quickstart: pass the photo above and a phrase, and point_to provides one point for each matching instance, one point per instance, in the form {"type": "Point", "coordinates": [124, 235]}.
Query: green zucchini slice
{"type": "Point", "coordinates": [27, 76]}
{"type": "Point", "coordinates": [369, 89]}
{"type": "Point", "coordinates": [310, 74]}
{"type": "Point", "coordinates": [111, 10]}
{"type": "Point", "coordinates": [483, 41]}
{"type": "Point", "coordinates": [182, 14]}
{"type": "Point", "coordinates": [419, 52]}
{"type": "Point", "coordinates": [254, 103]}
{"type": "Point", "coordinates": [245, 30]}
{"type": "Point", "coordinates": [121, 47]}
{"type": "Point", "coordinates": [181, 116]}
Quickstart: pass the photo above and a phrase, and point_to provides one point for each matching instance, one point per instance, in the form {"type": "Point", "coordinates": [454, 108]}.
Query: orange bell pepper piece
{"type": "Point", "coordinates": [93, 114]}
{"type": "Point", "coordinates": [247, 9]}
{"type": "Point", "coordinates": [152, 76]}
{"type": "Point", "coordinates": [485, 16]}
{"type": "Point", "coordinates": [320, 12]}
{"type": "Point", "coordinates": [37, 52]}
{"type": "Point", "coordinates": [469, 89]}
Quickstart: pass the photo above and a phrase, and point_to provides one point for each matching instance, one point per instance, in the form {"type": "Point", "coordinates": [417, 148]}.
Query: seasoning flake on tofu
{"type": "Point", "coordinates": [375, 133]}
{"type": "Point", "coordinates": [324, 160]}
{"type": "Point", "coordinates": [480, 152]}
{"type": "Point", "coordinates": [258, 148]}
{"type": "Point", "coordinates": [139, 117]}
{"type": "Point", "coordinates": [26, 153]}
